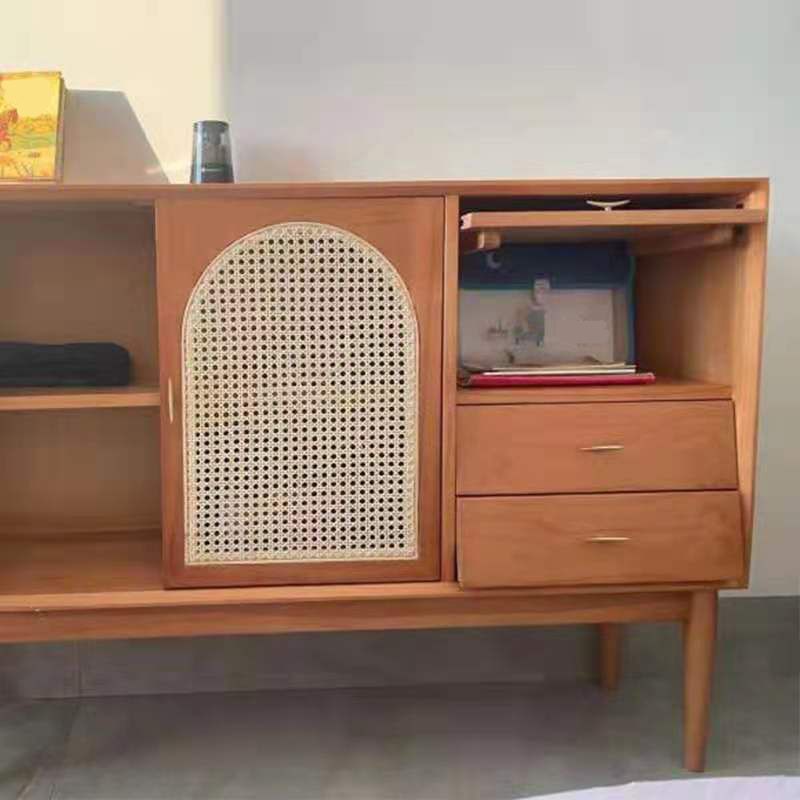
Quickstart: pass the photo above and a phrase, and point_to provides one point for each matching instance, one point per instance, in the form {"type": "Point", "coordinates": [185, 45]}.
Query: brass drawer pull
{"type": "Point", "coordinates": [603, 448]}
{"type": "Point", "coordinates": [170, 402]}
{"type": "Point", "coordinates": [608, 539]}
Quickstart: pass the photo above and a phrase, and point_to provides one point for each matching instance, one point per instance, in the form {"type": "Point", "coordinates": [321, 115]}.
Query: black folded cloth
{"type": "Point", "coordinates": [79, 364]}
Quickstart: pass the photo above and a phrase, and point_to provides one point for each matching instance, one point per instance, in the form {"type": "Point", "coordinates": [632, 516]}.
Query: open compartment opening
{"type": "Point", "coordinates": [79, 501]}
{"type": "Point", "coordinates": [80, 274]}
{"type": "Point", "coordinates": [688, 288]}
{"type": "Point", "coordinates": [79, 466]}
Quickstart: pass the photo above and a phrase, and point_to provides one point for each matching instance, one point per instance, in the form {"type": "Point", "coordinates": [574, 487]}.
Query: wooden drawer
{"type": "Point", "coordinates": [572, 540]}
{"type": "Point", "coordinates": [595, 447]}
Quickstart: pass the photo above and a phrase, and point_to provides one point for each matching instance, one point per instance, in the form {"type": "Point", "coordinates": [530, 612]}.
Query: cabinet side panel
{"type": "Point", "coordinates": [700, 316]}
{"type": "Point", "coordinates": [749, 312]}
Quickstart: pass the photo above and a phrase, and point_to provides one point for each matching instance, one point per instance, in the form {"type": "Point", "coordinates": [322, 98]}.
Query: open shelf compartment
{"type": "Point", "coordinates": [80, 484]}
{"type": "Point", "coordinates": [78, 274]}
{"type": "Point", "coordinates": [694, 269]}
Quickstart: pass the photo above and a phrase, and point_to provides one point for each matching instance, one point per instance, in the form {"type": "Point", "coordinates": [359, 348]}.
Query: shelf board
{"type": "Point", "coordinates": [69, 194]}
{"type": "Point", "coordinates": [65, 562]}
{"type": "Point", "coordinates": [57, 398]}
{"type": "Point", "coordinates": [662, 389]}
{"type": "Point", "coordinates": [486, 229]}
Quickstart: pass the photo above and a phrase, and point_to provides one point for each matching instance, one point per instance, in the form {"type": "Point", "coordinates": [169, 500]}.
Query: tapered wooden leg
{"type": "Point", "coordinates": [699, 642]}
{"type": "Point", "coordinates": [610, 647]}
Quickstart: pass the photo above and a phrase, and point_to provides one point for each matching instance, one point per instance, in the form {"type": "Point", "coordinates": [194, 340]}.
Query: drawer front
{"type": "Point", "coordinates": [573, 540]}
{"type": "Point", "coordinates": [595, 447]}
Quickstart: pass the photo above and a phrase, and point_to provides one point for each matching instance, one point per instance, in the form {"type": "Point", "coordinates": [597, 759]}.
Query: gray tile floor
{"type": "Point", "coordinates": [490, 741]}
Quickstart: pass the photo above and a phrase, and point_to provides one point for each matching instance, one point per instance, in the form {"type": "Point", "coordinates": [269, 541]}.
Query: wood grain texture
{"type": "Point", "coordinates": [474, 241]}
{"type": "Point", "coordinates": [518, 227]}
{"type": "Point", "coordinates": [57, 398]}
{"type": "Point", "coordinates": [700, 635]}
{"type": "Point", "coordinates": [718, 236]}
{"type": "Point", "coordinates": [16, 194]}
{"type": "Point", "coordinates": [748, 321]}
{"type": "Point", "coordinates": [100, 562]}
{"type": "Point", "coordinates": [449, 379]}
{"type": "Point", "coordinates": [651, 218]}
{"type": "Point", "coordinates": [701, 318]}
{"type": "Point", "coordinates": [79, 471]}
{"type": "Point", "coordinates": [73, 277]}
{"type": "Point", "coordinates": [609, 654]}
{"type": "Point", "coordinates": [409, 232]}
{"type": "Point", "coordinates": [637, 236]}
{"type": "Point", "coordinates": [599, 539]}
{"type": "Point", "coordinates": [542, 449]}
{"type": "Point", "coordinates": [685, 313]}
{"type": "Point", "coordinates": [665, 388]}
{"type": "Point", "coordinates": [337, 614]}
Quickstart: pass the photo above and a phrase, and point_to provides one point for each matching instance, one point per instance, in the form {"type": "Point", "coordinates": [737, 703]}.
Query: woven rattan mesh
{"type": "Point", "coordinates": [300, 403]}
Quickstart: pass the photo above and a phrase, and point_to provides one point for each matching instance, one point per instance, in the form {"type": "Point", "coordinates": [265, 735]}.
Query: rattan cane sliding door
{"type": "Point", "coordinates": [300, 346]}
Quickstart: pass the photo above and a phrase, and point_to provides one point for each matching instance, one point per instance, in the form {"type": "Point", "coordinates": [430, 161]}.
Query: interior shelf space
{"type": "Point", "coordinates": [662, 389]}
{"type": "Point", "coordinates": [73, 276]}
{"type": "Point", "coordinates": [649, 230]}
{"type": "Point", "coordinates": [97, 562]}
{"type": "Point", "coordinates": [66, 471]}
{"type": "Point", "coordinates": [696, 288]}
{"type": "Point", "coordinates": [58, 398]}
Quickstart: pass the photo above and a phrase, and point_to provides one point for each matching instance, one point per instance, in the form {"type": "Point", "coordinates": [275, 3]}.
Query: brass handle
{"type": "Point", "coordinates": [602, 448]}
{"type": "Point", "coordinates": [608, 539]}
{"type": "Point", "coordinates": [170, 402]}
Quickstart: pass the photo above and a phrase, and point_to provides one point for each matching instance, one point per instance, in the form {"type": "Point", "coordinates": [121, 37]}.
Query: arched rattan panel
{"type": "Point", "coordinates": [300, 389]}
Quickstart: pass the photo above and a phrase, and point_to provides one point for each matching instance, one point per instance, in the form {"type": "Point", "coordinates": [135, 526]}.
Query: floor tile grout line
{"type": "Point", "coordinates": [52, 760]}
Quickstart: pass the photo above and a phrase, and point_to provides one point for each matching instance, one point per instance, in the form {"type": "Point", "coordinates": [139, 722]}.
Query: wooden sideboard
{"type": "Point", "coordinates": [294, 453]}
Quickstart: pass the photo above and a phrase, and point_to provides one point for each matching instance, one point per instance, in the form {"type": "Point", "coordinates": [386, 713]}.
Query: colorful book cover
{"type": "Point", "coordinates": [31, 126]}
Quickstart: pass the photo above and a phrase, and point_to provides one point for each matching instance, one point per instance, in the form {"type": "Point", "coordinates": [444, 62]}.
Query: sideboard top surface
{"type": "Point", "coordinates": [148, 193]}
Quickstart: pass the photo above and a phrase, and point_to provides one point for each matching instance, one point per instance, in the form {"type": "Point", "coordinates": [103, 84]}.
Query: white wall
{"type": "Point", "coordinates": [140, 73]}
{"type": "Point", "coordinates": [373, 89]}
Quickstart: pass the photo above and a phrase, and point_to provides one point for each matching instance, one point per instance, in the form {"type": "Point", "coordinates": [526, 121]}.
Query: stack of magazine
{"type": "Point", "coordinates": [586, 373]}
{"type": "Point", "coordinates": [548, 314]}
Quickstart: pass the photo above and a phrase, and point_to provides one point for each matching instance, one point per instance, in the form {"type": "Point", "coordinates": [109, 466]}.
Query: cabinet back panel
{"type": "Point", "coordinates": [79, 471]}
{"type": "Point", "coordinates": [71, 276]}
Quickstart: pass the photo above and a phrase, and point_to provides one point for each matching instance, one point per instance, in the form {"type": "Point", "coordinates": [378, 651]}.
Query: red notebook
{"type": "Point", "coordinates": [498, 379]}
